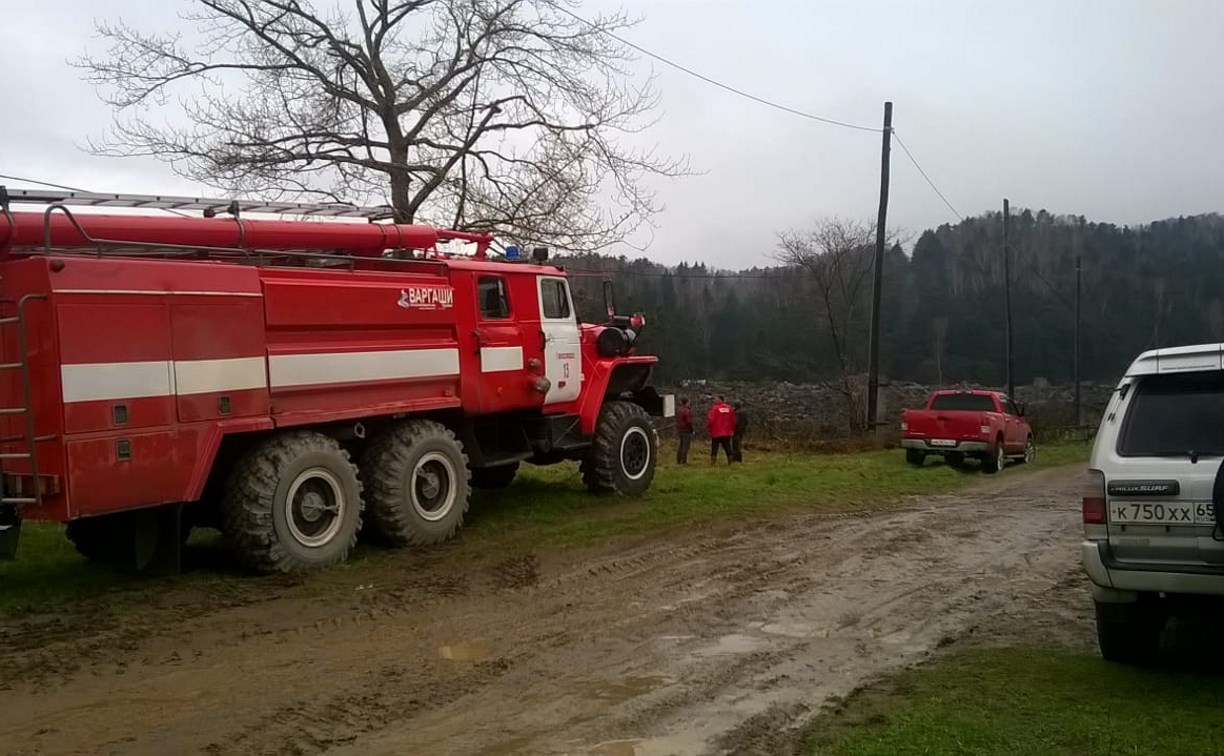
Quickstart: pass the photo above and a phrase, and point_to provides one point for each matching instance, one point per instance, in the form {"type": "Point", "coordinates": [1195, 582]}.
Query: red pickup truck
{"type": "Point", "coordinates": [986, 425]}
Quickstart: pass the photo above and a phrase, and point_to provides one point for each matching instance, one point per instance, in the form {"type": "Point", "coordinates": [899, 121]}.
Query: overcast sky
{"type": "Point", "coordinates": [1111, 109]}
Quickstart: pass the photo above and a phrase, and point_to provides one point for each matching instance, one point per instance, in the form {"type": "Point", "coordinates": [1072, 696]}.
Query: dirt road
{"type": "Point", "coordinates": [720, 639]}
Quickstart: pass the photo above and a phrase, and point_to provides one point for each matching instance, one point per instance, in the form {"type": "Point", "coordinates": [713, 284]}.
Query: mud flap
{"type": "Point", "coordinates": [10, 532]}
{"type": "Point", "coordinates": [655, 404]}
{"type": "Point", "coordinates": [159, 540]}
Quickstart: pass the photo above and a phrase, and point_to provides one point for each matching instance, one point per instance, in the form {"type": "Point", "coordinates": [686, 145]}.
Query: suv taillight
{"type": "Point", "coordinates": [1094, 498]}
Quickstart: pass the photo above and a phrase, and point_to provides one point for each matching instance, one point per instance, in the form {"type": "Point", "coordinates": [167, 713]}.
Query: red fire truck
{"type": "Point", "coordinates": [292, 382]}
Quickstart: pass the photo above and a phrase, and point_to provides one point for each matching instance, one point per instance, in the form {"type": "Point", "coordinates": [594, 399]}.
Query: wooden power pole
{"type": "Point", "coordinates": [873, 349]}
{"type": "Point", "coordinates": [1007, 312]}
{"type": "Point", "coordinates": [1079, 417]}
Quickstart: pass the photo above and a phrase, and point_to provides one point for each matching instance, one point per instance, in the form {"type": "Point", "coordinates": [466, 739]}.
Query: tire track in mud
{"type": "Point", "coordinates": [722, 661]}
{"type": "Point", "coordinates": [547, 653]}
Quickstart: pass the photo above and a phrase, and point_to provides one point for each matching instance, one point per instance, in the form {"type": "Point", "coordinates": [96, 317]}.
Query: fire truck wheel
{"type": "Point", "coordinates": [418, 484]}
{"type": "Point", "coordinates": [623, 453]}
{"type": "Point", "coordinates": [494, 477]}
{"type": "Point", "coordinates": [293, 503]}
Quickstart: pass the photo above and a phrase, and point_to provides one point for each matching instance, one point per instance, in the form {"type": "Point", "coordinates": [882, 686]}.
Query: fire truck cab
{"type": "Point", "coordinates": [291, 382]}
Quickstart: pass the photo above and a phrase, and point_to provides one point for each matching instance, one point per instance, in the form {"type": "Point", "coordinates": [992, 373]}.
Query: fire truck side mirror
{"type": "Point", "coordinates": [609, 300]}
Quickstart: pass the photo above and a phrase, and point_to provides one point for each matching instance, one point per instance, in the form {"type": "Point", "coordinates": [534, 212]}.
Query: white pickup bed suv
{"type": "Point", "coordinates": [1153, 545]}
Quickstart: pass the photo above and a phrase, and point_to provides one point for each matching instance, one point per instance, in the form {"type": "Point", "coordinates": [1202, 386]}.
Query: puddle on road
{"type": "Point", "coordinates": [795, 630]}
{"type": "Point", "coordinates": [464, 651]}
{"type": "Point", "coordinates": [619, 691]}
{"type": "Point", "coordinates": [616, 748]}
{"type": "Point", "coordinates": [735, 643]}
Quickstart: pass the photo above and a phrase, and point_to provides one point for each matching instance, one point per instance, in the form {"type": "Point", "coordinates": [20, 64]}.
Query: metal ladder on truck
{"type": "Point", "coordinates": [13, 502]}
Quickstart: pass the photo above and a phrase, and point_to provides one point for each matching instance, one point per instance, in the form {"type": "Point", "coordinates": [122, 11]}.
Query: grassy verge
{"type": "Point", "coordinates": [1027, 701]}
{"type": "Point", "coordinates": [549, 506]}
{"type": "Point", "coordinates": [545, 507]}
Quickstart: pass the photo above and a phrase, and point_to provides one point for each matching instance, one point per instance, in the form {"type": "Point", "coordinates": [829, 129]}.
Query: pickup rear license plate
{"type": "Point", "coordinates": [942, 442]}
{"type": "Point", "coordinates": [1157, 513]}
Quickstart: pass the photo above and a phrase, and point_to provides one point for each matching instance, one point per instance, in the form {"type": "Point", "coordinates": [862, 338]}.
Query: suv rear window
{"type": "Point", "coordinates": [964, 402]}
{"type": "Point", "coordinates": [1175, 414]}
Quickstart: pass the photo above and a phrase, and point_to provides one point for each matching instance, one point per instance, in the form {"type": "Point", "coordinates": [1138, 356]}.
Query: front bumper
{"type": "Point", "coordinates": [1116, 582]}
{"type": "Point", "coordinates": [962, 447]}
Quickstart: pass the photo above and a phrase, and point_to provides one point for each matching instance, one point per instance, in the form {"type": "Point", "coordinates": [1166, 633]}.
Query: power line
{"type": "Point", "coordinates": [715, 82]}
{"type": "Point", "coordinates": [763, 101]}
{"type": "Point", "coordinates": [1050, 287]}
{"type": "Point", "coordinates": [42, 183]}
{"type": "Point", "coordinates": [930, 183]}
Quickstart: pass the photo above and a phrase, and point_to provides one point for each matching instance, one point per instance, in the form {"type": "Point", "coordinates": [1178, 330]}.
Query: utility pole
{"type": "Point", "coordinates": [1079, 421]}
{"type": "Point", "coordinates": [1007, 316]}
{"type": "Point", "coordinates": [873, 350]}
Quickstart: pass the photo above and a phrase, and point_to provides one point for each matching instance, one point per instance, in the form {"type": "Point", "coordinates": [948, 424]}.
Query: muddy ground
{"type": "Point", "coordinates": [725, 638]}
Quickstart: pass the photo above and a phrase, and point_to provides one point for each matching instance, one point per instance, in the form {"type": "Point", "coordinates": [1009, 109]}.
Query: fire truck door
{"type": "Point", "coordinates": [562, 341]}
{"type": "Point", "coordinates": [500, 345]}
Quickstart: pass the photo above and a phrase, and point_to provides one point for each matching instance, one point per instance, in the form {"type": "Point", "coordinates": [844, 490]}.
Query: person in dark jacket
{"type": "Point", "coordinates": [721, 425]}
{"type": "Point", "coordinates": [684, 429]}
{"type": "Point", "coordinates": [741, 427]}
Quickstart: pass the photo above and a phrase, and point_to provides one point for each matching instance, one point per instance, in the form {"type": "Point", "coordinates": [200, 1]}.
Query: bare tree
{"type": "Point", "coordinates": [837, 255]}
{"type": "Point", "coordinates": [502, 115]}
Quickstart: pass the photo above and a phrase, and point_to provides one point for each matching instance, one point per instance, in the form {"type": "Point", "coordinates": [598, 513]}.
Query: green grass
{"type": "Point", "coordinates": [1027, 701]}
{"type": "Point", "coordinates": [544, 508]}
{"type": "Point", "coordinates": [1063, 453]}
{"type": "Point", "coordinates": [549, 506]}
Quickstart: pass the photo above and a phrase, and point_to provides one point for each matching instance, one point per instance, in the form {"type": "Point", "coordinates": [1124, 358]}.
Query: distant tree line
{"type": "Point", "coordinates": [807, 319]}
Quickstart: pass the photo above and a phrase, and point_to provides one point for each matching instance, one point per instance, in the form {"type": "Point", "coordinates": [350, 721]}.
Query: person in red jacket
{"type": "Point", "coordinates": [721, 425]}
{"type": "Point", "coordinates": [684, 429]}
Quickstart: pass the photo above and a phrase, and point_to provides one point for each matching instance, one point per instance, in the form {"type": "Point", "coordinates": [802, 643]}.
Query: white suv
{"type": "Point", "coordinates": [1152, 543]}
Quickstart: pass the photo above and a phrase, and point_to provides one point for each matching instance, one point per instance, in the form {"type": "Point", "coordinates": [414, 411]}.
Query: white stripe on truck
{"type": "Point", "coordinates": [105, 381]}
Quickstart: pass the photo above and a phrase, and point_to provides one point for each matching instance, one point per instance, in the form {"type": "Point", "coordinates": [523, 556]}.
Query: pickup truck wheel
{"type": "Point", "coordinates": [1030, 452]}
{"type": "Point", "coordinates": [996, 459]}
{"type": "Point", "coordinates": [915, 457]}
{"type": "Point", "coordinates": [419, 484]}
{"type": "Point", "coordinates": [623, 453]}
{"type": "Point", "coordinates": [293, 503]}
{"type": "Point", "coordinates": [1129, 633]}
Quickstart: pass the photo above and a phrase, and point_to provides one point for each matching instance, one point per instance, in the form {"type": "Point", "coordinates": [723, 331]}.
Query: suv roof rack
{"type": "Point", "coordinates": [209, 207]}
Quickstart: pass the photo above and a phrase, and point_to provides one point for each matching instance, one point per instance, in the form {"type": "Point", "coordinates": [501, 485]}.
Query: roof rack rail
{"type": "Point", "coordinates": [209, 207]}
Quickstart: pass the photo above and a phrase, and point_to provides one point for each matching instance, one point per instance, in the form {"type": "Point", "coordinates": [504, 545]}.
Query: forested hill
{"type": "Point", "coordinates": [1155, 285]}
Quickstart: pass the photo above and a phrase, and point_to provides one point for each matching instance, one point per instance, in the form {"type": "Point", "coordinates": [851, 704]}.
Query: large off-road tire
{"type": "Point", "coordinates": [1129, 633]}
{"type": "Point", "coordinates": [915, 457]}
{"type": "Point", "coordinates": [494, 477]}
{"type": "Point", "coordinates": [1030, 452]}
{"type": "Point", "coordinates": [417, 484]}
{"type": "Point", "coordinates": [107, 538]}
{"type": "Point", "coordinates": [293, 503]}
{"type": "Point", "coordinates": [995, 459]}
{"type": "Point", "coordinates": [623, 453]}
